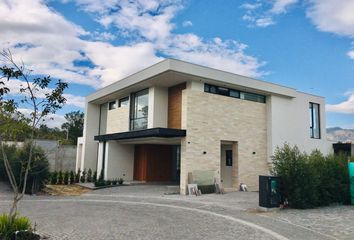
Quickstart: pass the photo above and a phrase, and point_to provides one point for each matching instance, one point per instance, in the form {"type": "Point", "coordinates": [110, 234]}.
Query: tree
{"type": "Point", "coordinates": [74, 125]}
{"type": "Point", "coordinates": [39, 99]}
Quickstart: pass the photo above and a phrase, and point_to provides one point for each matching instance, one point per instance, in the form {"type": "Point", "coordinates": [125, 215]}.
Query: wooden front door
{"type": "Point", "coordinates": [153, 163]}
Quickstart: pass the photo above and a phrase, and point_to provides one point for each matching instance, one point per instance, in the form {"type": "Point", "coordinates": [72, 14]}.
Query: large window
{"type": "Point", "coordinates": [234, 93]}
{"type": "Point", "coordinates": [314, 111]}
{"type": "Point", "coordinates": [139, 110]}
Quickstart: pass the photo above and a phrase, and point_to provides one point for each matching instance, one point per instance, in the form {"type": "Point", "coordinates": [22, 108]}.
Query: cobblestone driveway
{"type": "Point", "coordinates": [144, 212]}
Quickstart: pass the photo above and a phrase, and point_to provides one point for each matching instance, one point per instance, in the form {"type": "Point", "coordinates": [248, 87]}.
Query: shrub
{"type": "Point", "coordinates": [66, 178]}
{"type": "Point", "coordinates": [8, 227]}
{"type": "Point", "coordinates": [54, 177]}
{"type": "Point", "coordinates": [114, 181]}
{"type": "Point", "coordinates": [120, 181]}
{"type": "Point", "coordinates": [18, 157]}
{"type": "Point", "coordinates": [72, 177]}
{"type": "Point", "coordinates": [108, 182]}
{"type": "Point", "coordinates": [60, 177]}
{"type": "Point", "coordinates": [77, 176]}
{"type": "Point", "coordinates": [94, 176]}
{"type": "Point", "coordinates": [311, 180]}
{"type": "Point", "coordinates": [83, 176]}
{"type": "Point", "coordinates": [100, 183]}
{"type": "Point", "coordinates": [89, 175]}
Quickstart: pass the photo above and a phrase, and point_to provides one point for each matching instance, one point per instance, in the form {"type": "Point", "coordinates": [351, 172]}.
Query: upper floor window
{"type": "Point", "coordinates": [314, 111]}
{"type": "Point", "coordinates": [234, 93]}
{"type": "Point", "coordinates": [139, 110]}
{"type": "Point", "coordinates": [123, 102]}
{"type": "Point", "coordinates": [112, 105]}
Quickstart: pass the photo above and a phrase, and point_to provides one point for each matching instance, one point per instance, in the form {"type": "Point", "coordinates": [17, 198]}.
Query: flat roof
{"type": "Point", "coordinates": [195, 71]}
{"type": "Point", "coordinates": [145, 133]}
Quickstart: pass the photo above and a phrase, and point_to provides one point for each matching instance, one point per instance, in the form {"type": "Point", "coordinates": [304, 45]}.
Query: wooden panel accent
{"type": "Point", "coordinates": [175, 106]}
{"type": "Point", "coordinates": [140, 163]}
{"type": "Point", "coordinates": [153, 163]}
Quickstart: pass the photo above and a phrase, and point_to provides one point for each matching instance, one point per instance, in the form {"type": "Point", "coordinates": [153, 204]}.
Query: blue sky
{"type": "Point", "coordinates": [308, 45]}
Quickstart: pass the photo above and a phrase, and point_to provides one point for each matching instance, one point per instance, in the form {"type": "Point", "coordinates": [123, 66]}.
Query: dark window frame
{"type": "Point", "coordinates": [223, 91]}
{"type": "Point", "coordinates": [133, 110]}
{"type": "Point", "coordinates": [312, 120]}
{"type": "Point", "coordinates": [112, 105]}
{"type": "Point", "coordinates": [122, 100]}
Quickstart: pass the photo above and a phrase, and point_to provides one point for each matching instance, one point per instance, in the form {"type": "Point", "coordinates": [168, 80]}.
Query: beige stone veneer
{"type": "Point", "coordinates": [211, 119]}
{"type": "Point", "coordinates": [118, 120]}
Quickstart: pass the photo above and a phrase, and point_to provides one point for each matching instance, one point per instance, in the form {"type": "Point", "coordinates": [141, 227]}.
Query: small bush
{"type": "Point", "coordinates": [89, 175]}
{"type": "Point", "coordinates": [60, 177]}
{"type": "Point", "coordinates": [108, 182]}
{"type": "Point", "coordinates": [72, 177]}
{"type": "Point", "coordinates": [54, 177]}
{"type": "Point", "coordinates": [83, 176]}
{"type": "Point", "coordinates": [120, 181]}
{"type": "Point", "coordinates": [66, 178]}
{"type": "Point", "coordinates": [8, 227]}
{"type": "Point", "coordinates": [77, 176]}
{"type": "Point", "coordinates": [94, 177]}
{"type": "Point", "coordinates": [114, 181]}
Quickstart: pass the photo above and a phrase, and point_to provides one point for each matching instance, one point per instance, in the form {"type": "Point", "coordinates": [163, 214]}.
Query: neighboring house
{"type": "Point", "coordinates": [175, 117]}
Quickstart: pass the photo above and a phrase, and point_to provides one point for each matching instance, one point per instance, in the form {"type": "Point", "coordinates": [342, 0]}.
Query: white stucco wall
{"type": "Point", "coordinates": [158, 107]}
{"type": "Point", "coordinates": [91, 127]}
{"type": "Point", "coordinates": [119, 161]}
{"type": "Point", "coordinates": [289, 121]}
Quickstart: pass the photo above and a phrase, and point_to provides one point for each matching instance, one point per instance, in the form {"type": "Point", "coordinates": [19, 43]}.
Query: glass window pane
{"type": "Point", "coordinates": [123, 102]}
{"type": "Point", "coordinates": [223, 91]}
{"type": "Point", "coordinates": [139, 110]}
{"type": "Point", "coordinates": [234, 93]}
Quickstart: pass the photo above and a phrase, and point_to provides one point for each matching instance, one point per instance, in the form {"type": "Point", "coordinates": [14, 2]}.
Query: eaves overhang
{"type": "Point", "coordinates": [145, 133]}
{"type": "Point", "coordinates": [195, 71]}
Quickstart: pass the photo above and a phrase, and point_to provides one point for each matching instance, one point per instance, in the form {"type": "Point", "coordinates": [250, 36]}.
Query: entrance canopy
{"type": "Point", "coordinates": [146, 133]}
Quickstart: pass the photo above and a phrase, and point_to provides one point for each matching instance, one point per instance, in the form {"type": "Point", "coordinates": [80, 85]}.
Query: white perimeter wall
{"type": "Point", "coordinates": [289, 121]}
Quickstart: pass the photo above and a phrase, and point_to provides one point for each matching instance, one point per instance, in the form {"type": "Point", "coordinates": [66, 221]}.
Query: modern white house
{"type": "Point", "coordinates": [175, 118]}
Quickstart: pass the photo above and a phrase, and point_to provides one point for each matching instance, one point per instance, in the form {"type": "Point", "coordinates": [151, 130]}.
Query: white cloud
{"type": "Point", "coordinates": [351, 54]}
{"type": "Point", "coordinates": [333, 16]}
{"type": "Point", "coordinates": [51, 120]}
{"type": "Point", "coordinates": [15, 89]}
{"type": "Point", "coordinates": [264, 22]}
{"type": "Point", "coordinates": [151, 23]}
{"type": "Point", "coordinates": [50, 44]}
{"type": "Point", "coordinates": [262, 13]}
{"type": "Point", "coordinates": [346, 106]}
{"type": "Point", "coordinates": [249, 6]}
{"type": "Point", "coordinates": [187, 24]}
{"type": "Point", "coordinates": [280, 6]}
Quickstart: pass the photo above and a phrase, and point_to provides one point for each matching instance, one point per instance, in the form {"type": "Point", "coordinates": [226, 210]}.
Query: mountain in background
{"type": "Point", "coordinates": [338, 134]}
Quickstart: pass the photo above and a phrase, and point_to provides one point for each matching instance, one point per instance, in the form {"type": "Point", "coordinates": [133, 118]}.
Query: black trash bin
{"type": "Point", "coordinates": [269, 191]}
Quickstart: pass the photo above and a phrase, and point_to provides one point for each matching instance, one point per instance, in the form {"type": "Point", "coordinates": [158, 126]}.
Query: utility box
{"type": "Point", "coordinates": [269, 192]}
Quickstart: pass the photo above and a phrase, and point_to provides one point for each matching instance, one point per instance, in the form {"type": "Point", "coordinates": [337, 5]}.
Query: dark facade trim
{"type": "Point", "coordinates": [152, 132]}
